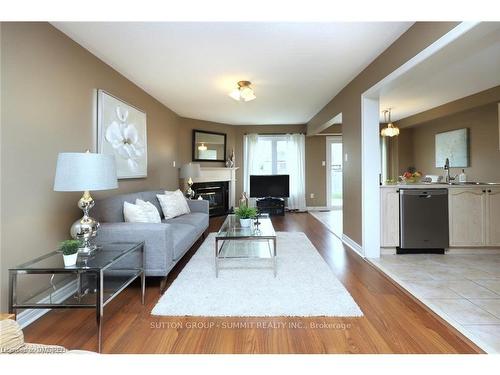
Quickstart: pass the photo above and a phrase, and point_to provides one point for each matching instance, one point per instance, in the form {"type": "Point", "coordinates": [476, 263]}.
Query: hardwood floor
{"type": "Point", "coordinates": [393, 321]}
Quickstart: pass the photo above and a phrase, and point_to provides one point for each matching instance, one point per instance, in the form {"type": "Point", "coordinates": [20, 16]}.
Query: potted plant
{"type": "Point", "coordinates": [245, 214]}
{"type": "Point", "coordinates": [69, 249]}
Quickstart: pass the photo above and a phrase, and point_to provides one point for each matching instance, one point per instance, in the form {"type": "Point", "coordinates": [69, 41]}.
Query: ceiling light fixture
{"type": "Point", "coordinates": [202, 147]}
{"type": "Point", "coordinates": [391, 130]}
{"type": "Point", "coordinates": [244, 92]}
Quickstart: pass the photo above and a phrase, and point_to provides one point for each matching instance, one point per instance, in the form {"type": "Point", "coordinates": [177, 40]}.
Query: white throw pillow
{"type": "Point", "coordinates": [142, 212]}
{"type": "Point", "coordinates": [173, 204]}
{"type": "Point", "coordinates": [134, 213]}
{"type": "Point", "coordinates": [150, 210]}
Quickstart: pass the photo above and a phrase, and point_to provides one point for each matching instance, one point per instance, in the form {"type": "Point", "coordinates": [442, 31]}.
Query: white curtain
{"type": "Point", "coordinates": [250, 163]}
{"type": "Point", "coordinates": [295, 163]}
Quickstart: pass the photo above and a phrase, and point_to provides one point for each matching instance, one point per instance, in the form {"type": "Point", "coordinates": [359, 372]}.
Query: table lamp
{"type": "Point", "coordinates": [190, 171]}
{"type": "Point", "coordinates": [78, 171]}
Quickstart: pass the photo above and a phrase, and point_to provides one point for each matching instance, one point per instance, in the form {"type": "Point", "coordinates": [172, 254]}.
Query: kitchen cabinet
{"type": "Point", "coordinates": [389, 211]}
{"type": "Point", "coordinates": [473, 213]}
{"type": "Point", "coordinates": [467, 216]}
{"type": "Point", "coordinates": [493, 233]}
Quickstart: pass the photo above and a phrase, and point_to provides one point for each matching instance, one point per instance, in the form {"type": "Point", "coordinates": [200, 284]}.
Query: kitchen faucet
{"type": "Point", "coordinates": [448, 178]}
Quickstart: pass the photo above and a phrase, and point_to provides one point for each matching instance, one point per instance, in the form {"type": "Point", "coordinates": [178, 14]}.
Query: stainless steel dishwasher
{"type": "Point", "coordinates": [423, 220]}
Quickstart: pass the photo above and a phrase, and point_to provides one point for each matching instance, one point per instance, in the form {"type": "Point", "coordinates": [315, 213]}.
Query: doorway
{"type": "Point", "coordinates": [371, 147]}
{"type": "Point", "coordinates": [332, 217]}
{"type": "Point", "coordinates": [334, 172]}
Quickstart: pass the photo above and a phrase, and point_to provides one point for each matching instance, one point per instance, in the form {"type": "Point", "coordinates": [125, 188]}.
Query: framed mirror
{"type": "Point", "coordinates": [209, 146]}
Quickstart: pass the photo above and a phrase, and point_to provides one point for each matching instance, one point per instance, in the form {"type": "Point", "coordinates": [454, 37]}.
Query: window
{"type": "Point", "coordinates": [277, 154]}
{"type": "Point", "coordinates": [384, 159]}
{"type": "Point", "coordinates": [271, 154]}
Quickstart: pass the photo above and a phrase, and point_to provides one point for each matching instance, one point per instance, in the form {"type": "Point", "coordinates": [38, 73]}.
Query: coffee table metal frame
{"type": "Point", "coordinates": [245, 234]}
{"type": "Point", "coordinates": [98, 272]}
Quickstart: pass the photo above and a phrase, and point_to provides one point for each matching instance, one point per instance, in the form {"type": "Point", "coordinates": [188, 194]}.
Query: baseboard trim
{"type": "Point", "coordinates": [353, 245]}
{"type": "Point", "coordinates": [28, 316]}
{"type": "Point", "coordinates": [453, 250]}
{"type": "Point", "coordinates": [316, 208]}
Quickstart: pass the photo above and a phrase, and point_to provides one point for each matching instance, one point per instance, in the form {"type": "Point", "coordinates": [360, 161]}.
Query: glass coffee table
{"type": "Point", "coordinates": [45, 283]}
{"type": "Point", "coordinates": [255, 242]}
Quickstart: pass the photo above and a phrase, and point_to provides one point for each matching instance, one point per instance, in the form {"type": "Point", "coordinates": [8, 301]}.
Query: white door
{"type": "Point", "coordinates": [334, 172]}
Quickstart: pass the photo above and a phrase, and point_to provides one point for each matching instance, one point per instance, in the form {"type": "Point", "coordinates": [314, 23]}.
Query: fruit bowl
{"type": "Point", "coordinates": [411, 178]}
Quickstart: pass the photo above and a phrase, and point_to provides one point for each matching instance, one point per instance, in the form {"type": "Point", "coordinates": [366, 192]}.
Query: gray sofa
{"type": "Point", "coordinates": [165, 242]}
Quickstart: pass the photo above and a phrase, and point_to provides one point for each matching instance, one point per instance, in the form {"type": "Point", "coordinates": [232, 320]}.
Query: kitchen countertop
{"type": "Point", "coordinates": [421, 185]}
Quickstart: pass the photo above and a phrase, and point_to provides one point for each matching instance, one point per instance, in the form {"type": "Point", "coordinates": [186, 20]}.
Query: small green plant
{"type": "Point", "coordinates": [244, 212]}
{"type": "Point", "coordinates": [69, 247]}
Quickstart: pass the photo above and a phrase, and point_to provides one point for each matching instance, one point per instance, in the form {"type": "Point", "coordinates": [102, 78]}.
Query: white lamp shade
{"type": "Point", "coordinates": [247, 94]}
{"type": "Point", "coordinates": [190, 170]}
{"type": "Point", "coordinates": [78, 171]}
{"type": "Point", "coordinates": [244, 94]}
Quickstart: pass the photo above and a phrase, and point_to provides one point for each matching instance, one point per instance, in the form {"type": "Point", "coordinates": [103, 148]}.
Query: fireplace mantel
{"type": "Point", "coordinates": [213, 174]}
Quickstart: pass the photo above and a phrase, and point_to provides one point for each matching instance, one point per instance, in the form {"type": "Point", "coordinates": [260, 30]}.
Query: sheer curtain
{"type": "Point", "coordinates": [250, 163]}
{"type": "Point", "coordinates": [295, 165]}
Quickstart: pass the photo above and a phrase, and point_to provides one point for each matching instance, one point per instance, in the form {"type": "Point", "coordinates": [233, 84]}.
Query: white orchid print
{"type": "Point", "coordinates": [124, 138]}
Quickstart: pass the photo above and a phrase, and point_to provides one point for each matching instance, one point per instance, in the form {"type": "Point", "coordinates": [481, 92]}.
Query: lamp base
{"type": "Point", "coordinates": [85, 229]}
{"type": "Point", "coordinates": [189, 193]}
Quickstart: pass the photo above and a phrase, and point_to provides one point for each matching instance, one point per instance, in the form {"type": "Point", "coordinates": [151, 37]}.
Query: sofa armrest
{"type": "Point", "coordinates": [157, 237]}
{"type": "Point", "coordinates": [196, 205]}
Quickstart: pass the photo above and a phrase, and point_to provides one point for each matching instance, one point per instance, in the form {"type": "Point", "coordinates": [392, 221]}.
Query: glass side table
{"type": "Point", "coordinates": [92, 283]}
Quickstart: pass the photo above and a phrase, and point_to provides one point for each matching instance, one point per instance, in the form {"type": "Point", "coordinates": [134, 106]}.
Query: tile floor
{"type": "Point", "coordinates": [332, 219]}
{"type": "Point", "coordinates": [463, 289]}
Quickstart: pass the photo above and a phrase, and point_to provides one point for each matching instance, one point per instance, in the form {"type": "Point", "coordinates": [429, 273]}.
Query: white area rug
{"type": "Point", "coordinates": [304, 286]}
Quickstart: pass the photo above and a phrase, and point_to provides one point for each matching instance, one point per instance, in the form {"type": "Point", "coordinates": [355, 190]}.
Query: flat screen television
{"type": "Point", "coordinates": [275, 186]}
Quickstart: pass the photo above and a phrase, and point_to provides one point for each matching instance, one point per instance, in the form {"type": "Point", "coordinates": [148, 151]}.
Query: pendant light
{"type": "Point", "coordinates": [390, 130]}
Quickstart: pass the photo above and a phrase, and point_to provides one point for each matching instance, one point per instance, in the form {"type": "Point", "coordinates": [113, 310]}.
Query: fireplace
{"type": "Point", "coordinates": [217, 195]}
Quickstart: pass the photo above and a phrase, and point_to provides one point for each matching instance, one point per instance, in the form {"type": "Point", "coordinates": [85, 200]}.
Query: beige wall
{"type": "Point", "coordinates": [403, 156]}
{"type": "Point", "coordinates": [348, 102]}
{"type": "Point", "coordinates": [315, 171]}
{"type": "Point", "coordinates": [483, 136]}
{"type": "Point", "coordinates": [47, 87]}
{"type": "Point", "coordinates": [333, 129]}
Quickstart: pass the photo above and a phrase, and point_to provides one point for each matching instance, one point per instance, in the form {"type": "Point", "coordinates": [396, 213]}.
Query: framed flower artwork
{"type": "Point", "coordinates": [121, 131]}
{"type": "Point", "coordinates": [454, 145]}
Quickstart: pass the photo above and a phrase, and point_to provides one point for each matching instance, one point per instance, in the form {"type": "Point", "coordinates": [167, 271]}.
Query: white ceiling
{"type": "Point", "coordinates": [295, 68]}
{"type": "Point", "coordinates": [464, 67]}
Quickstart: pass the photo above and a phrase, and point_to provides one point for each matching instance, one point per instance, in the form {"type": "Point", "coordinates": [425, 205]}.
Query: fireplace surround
{"type": "Point", "coordinates": [216, 175]}
{"type": "Point", "coordinates": [217, 195]}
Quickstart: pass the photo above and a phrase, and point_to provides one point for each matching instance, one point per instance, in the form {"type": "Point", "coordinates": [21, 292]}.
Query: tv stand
{"type": "Point", "coordinates": [271, 206]}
